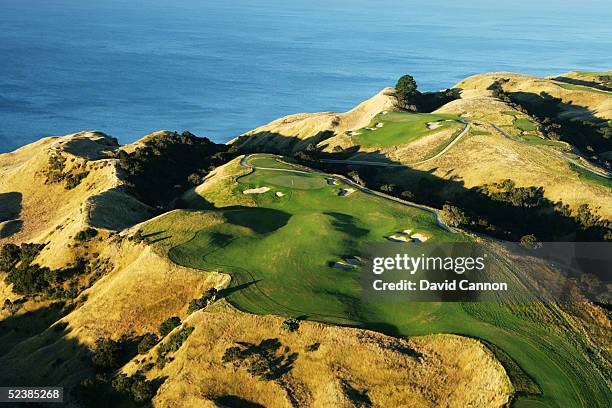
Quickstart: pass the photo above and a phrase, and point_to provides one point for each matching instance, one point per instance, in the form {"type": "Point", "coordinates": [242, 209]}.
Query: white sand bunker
{"type": "Point", "coordinates": [342, 265]}
{"type": "Point", "coordinates": [419, 238]}
{"type": "Point", "coordinates": [331, 181]}
{"type": "Point", "coordinates": [407, 237]}
{"type": "Point", "coordinates": [433, 125]}
{"type": "Point", "coordinates": [353, 133]}
{"type": "Point", "coordinates": [346, 191]}
{"type": "Point", "coordinates": [259, 190]}
{"type": "Point", "coordinates": [379, 125]}
{"type": "Point", "coordinates": [280, 194]}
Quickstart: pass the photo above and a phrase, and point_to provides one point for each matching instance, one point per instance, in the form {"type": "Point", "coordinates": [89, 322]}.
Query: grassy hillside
{"type": "Point", "coordinates": [293, 240]}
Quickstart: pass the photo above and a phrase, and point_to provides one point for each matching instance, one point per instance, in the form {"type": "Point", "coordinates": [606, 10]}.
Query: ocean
{"type": "Point", "coordinates": [219, 68]}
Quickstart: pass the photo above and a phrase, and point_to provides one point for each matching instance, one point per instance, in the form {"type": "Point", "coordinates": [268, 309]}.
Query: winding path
{"type": "Point", "coordinates": [244, 163]}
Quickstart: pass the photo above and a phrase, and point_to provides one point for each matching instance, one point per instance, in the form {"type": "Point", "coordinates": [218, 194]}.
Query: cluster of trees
{"type": "Point", "coordinates": [172, 344]}
{"type": "Point", "coordinates": [593, 136]}
{"type": "Point", "coordinates": [107, 387]}
{"type": "Point", "coordinates": [33, 280]}
{"type": "Point", "coordinates": [206, 299]}
{"type": "Point", "coordinates": [169, 164]}
{"type": "Point", "coordinates": [410, 98]}
{"type": "Point", "coordinates": [267, 360]}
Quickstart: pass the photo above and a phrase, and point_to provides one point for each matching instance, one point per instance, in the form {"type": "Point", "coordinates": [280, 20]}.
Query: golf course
{"type": "Point", "coordinates": [281, 243]}
{"type": "Point", "coordinates": [397, 128]}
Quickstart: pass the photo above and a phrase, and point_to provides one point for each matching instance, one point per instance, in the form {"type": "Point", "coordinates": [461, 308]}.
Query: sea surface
{"type": "Point", "coordinates": [221, 67]}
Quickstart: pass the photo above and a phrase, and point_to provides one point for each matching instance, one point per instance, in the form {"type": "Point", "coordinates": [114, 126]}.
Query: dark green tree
{"type": "Point", "coordinates": [168, 325]}
{"type": "Point", "coordinates": [406, 90]}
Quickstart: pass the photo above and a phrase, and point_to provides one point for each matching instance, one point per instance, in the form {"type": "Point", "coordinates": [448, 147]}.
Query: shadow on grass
{"type": "Point", "coordinates": [233, 289]}
{"type": "Point", "coordinates": [10, 210]}
{"type": "Point", "coordinates": [591, 84]}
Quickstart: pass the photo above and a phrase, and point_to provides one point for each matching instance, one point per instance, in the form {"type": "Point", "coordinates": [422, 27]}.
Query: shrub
{"type": "Point", "coordinates": [312, 347]}
{"type": "Point", "coordinates": [174, 342]}
{"type": "Point", "coordinates": [86, 234]}
{"type": "Point", "coordinates": [147, 342]}
{"type": "Point", "coordinates": [453, 215]}
{"type": "Point", "coordinates": [168, 325]}
{"type": "Point", "coordinates": [529, 241]}
{"type": "Point", "coordinates": [106, 355]}
{"type": "Point", "coordinates": [265, 360]}
{"type": "Point", "coordinates": [206, 299]}
{"type": "Point", "coordinates": [9, 256]}
{"type": "Point", "coordinates": [73, 180]}
{"type": "Point", "coordinates": [291, 324]}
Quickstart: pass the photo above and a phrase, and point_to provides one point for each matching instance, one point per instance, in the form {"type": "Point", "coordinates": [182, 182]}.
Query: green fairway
{"type": "Point", "coordinates": [573, 87]}
{"type": "Point", "coordinates": [591, 177]}
{"type": "Point", "coordinates": [403, 127]}
{"type": "Point", "coordinates": [545, 142]}
{"type": "Point", "coordinates": [525, 124]}
{"type": "Point", "coordinates": [280, 256]}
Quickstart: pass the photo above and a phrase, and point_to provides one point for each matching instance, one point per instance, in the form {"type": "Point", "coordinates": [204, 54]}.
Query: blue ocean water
{"type": "Point", "coordinates": [221, 67]}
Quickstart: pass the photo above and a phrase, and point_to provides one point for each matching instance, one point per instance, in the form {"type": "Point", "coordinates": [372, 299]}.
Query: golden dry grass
{"type": "Point", "coordinates": [596, 103]}
{"type": "Point", "coordinates": [310, 127]}
{"type": "Point", "coordinates": [451, 371]}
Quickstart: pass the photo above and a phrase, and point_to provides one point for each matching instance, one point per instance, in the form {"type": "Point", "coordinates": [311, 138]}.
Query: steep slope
{"type": "Point", "coordinates": [56, 187]}
{"type": "Point", "coordinates": [296, 132]}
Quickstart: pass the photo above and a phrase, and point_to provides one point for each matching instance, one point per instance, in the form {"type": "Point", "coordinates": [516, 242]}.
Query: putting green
{"type": "Point", "coordinates": [299, 181]}
{"type": "Point", "coordinates": [403, 127]}
{"type": "Point", "coordinates": [280, 254]}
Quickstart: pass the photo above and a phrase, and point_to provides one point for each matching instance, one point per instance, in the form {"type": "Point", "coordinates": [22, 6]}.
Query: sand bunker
{"type": "Point", "coordinates": [353, 133]}
{"type": "Point", "coordinates": [433, 125]}
{"type": "Point", "coordinates": [330, 181]}
{"type": "Point", "coordinates": [419, 238]}
{"type": "Point", "coordinates": [397, 238]}
{"type": "Point", "coordinates": [379, 125]}
{"type": "Point", "coordinates": [346, 191]}
{"type": "Point", "coordinates": [279, 194]}
{"type": "Point", "coordinates": [259, 190]}
{"type": "Point", "coordinates": [342, 265]}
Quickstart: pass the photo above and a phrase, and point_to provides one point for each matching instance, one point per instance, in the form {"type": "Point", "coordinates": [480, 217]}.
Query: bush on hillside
{"type": "Point", "coordinates": [168, 325]}
{"type": "Point", "coordinates": [86, 234]}
{"type": "Point", "coordinates": [147, 342]}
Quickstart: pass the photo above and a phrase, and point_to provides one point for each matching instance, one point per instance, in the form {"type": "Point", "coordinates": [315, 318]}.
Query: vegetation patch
{"type": "Point", "coordinates": [172, 344]}
{"type": "Point", "coordinates": [33, 280]}
{"type": "Point", "coordinates": [267, 360]}
{"type": "Point", "coordinates": [169, 163]}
